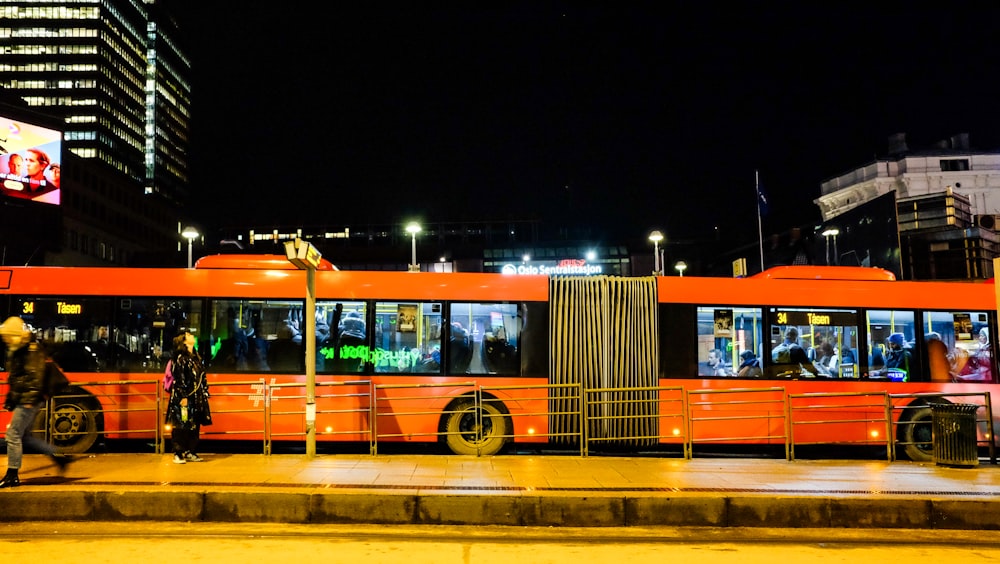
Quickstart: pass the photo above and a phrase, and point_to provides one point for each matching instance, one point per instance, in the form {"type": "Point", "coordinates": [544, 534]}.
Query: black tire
{"type": "Point", "coordinates": [463, 436]}
{"type": "Point", "coordinates": [76, 422]}
{"type": "Point", "coordinates": [917, 431]}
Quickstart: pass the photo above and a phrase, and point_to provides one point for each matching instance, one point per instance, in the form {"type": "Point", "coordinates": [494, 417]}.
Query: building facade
{"type": "Point", "coordinates": [115, 77]}
{"type": "Point", "coordinates": [517, 247]}
{"type": "Point", "coordinates": [938, 205]}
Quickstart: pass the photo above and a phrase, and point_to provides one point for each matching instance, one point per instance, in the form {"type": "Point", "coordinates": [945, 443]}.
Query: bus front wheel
{"type": "Point", "coordinates": [467, 434]}
{"type": "Point", "coordinates": [916, 433]}
{"type": "Point", "coordinates": [75, 422]}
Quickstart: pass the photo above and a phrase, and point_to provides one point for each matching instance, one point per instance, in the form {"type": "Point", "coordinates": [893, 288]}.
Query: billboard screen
{"type": "Point", "coordinates": [29, 161]}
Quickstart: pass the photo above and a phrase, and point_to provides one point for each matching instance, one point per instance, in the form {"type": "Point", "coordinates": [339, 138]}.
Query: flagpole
{"type": "Point", "coordinates": [760, 228]}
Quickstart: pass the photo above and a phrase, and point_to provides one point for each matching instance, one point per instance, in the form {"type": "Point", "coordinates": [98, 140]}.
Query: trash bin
{"type": "Point", "coordinates": [954, 434]}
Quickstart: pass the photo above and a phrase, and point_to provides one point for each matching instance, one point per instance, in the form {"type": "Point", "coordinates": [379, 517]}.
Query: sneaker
{"type": "Point", "coordinates": [192, 457]}
{"type": "Point", "coordinates": [178, 459]}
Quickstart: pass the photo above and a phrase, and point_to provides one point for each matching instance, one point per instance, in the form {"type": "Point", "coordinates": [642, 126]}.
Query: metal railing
{"type": "Point", "coordinates": [534, 405]}
{"type": "Point", "coordinates": [326, 393]}
{"type": "Point", "coordinates": [855, 407]}
{"type": "Point", "coordinates": [662, 415]}
{"type": "Point", "coordinates": [72, 415]}
{"type": "Point", "coordinates": [666, 413]}
{"type": "Point", "coordinates": [240, 389]}
{"type": "Point", "coordinates": [769, 402]}
{"type": "Point", "coordinates": [419, 406]}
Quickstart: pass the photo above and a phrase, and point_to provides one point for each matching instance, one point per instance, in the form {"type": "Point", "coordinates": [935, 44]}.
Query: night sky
{"type": "Point", "coordinates": [624, 116]}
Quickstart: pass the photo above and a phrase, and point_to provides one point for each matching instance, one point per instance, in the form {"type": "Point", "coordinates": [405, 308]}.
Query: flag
{"type": "Point", "coordinates": [761, 200]}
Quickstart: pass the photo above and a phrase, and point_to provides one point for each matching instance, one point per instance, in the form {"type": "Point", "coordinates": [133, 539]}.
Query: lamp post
{"type": "Point", "coordinates": [190, 233]}
{"type": "Point", "coordinates": [828, 234]}
{"type": "Point", "coordinates": [304, 256]}
{"type": "Point", "coordinates": [413, 228]}
{"type": "Point", "coordinates": [656, 237]}
{"type": "Point", "coordinates": [681, 266]}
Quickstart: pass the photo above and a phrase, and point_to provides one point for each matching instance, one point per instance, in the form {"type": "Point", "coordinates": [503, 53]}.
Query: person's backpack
{"type": "Point", "coordinates": [168, 376]}
{"type": "Point", "coordinates": [782, 354]}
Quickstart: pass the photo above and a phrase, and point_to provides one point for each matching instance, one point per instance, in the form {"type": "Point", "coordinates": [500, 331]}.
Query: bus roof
{"type": "Point", "coordinates": [811, 272]}
{"type": "Point", "coordinates": [254, 262]}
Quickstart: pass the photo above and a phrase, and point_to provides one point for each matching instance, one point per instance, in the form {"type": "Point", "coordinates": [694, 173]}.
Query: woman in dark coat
{"type": "Point", "coordinates": [187, 409]}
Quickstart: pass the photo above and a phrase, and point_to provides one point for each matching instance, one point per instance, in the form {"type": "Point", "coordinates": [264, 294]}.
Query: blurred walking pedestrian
{"type": "Point", "coordinates": [31, 382]}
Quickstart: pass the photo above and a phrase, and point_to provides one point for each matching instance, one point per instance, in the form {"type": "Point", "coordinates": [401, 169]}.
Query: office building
{"type": "Point", "coordinates": [113, 77]}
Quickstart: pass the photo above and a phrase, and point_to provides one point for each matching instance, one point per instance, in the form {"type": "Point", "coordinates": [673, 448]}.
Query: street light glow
{"type": "Point", "coordinates": [656, 237]}
{"type": "Point", "coordinates": [190, 233]}
{"type": "Point", "coordinates": [831, 232]}
{"type": "Point", "coordinates": [413, 228]}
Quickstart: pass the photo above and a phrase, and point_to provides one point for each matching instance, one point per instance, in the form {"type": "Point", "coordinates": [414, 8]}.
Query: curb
{"type": "Point", "coordinates": [506, 510]}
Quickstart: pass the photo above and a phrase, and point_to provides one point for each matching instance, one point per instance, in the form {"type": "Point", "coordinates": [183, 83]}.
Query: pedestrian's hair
{"type": "Point", "coordinates": [179, 341]}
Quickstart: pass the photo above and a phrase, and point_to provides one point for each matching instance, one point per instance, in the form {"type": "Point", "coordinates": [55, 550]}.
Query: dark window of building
{"type": "Point", "coordinates": [953, 165]}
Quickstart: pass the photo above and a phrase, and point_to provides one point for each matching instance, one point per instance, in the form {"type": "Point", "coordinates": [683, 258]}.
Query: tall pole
{"type": "Point", "coordinates": [309, 337]}
{"type": "Point", "coordinates": [413, 255]}
{"type": "Point", "coordinates": [760, 227]}
{"type": "Point", "coordinates": [190, 243]}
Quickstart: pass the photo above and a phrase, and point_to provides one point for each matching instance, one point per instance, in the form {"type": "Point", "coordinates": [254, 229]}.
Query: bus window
{"type": "Point", "coordinates": [258, 336]}
{"type": "Point", "coordinates": [76, 331]}
{"type": "Point", "coordinates": [407, 337]}
{"type": "Point", "coordinates": [228, 330]}
{"type": "Point", "coordinates": [346, 349]}
{"type": "Point", "coordinates": [966, 354]}
{"type": "Point", "coordinates": [892, 345]}
{"type": "Point", "coordinates": [729, 341]}
{"type": "Point", "coordinates": [484, 338]}
{"type": "Point", "coordinates": [144, 330]}
{"type": "Point", "coordinates": [812, 343]}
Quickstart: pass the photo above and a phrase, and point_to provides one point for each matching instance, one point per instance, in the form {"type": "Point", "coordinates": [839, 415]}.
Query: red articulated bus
{"type": "Point", "coordinates": [478, 361]}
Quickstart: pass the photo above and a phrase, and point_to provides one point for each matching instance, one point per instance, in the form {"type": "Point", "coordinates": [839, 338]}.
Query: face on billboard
{"type": "Point", "coordinates": [29, 161]}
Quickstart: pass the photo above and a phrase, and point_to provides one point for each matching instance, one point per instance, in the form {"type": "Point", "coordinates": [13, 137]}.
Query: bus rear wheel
{"type": "Point", "coordinates": [916, 433]}
{"type": "Point", "coordinates": [464, 434]}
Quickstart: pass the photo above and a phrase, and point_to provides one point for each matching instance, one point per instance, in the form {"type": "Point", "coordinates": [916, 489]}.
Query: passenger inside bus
{"type": "Point", "coordinates": [827, 358]}
{"type": "Point", "coordinates": [459, 349]}
{"type": "Point", "coordinates": [898, 359]}
{"type": "Point", "coordinates": [350, 340]}
{"type": "Point", "coordinates": [749, 365]}
{"type": "Point", "coordinates": [256, 347]}
{"type": "Point", "coordinates": [937, 357]}
{"type": "Point", "coordinates": [284, 354]}
{"type": "Point", "coordinates": [876, 359]}
{"type": "Point", "coordinates": [975, 367]}
{"type": "Point", "coordinates": [714, 366]}
{"type": "Point", "coordinates": [781, 353]}
{"type": "Point", "coordinates": [801, 365]}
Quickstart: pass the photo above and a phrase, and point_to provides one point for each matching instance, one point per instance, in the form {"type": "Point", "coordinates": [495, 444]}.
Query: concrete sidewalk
{"type": "Point", "coordinates": [519, 490]}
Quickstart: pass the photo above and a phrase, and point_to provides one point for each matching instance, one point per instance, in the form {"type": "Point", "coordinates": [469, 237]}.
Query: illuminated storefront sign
{"type": "Point", "coordinates": [561, 268]}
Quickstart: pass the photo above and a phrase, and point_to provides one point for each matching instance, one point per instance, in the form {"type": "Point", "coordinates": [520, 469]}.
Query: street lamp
{"type": "Point", "coordinates": [828, 234]}
{"type": "Point", "coordinates": [413, 228]}
{"type": "Point", "coordinates": [190, 233]}
{"type": "Point", "coordinates": [681, 266]}
{"type": "Point", "coordinates": [656, 237]}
